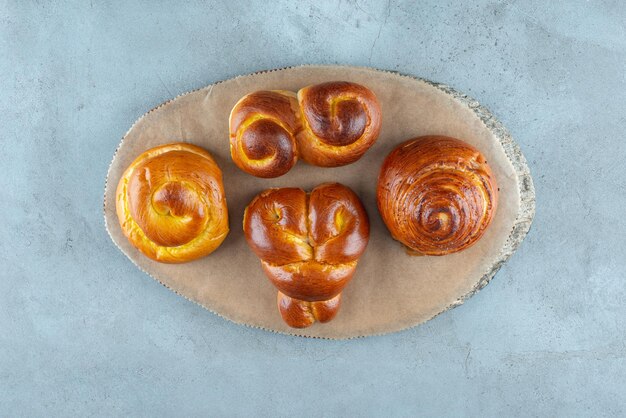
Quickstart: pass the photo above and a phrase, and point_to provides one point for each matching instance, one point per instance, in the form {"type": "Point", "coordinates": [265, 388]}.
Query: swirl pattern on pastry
{"type": "Point", "coordinates": [341, 121]}
{"type": "Point", "coordinates": [328, 125]}
{"type": "Point", "coordinates": [309, 245]}
{"type": "Point", "coordinates": [436, 194]}
{"type": "Point", "coordinates": [170, 203]}
{"type": "Point", "coordinates": [263, 126]}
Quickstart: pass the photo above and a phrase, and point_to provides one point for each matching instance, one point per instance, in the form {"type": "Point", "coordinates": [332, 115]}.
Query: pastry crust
{"type": "Point", "coordinates": [341, 121]}
{"type": "Point", "coordinates": [329, 124]}
{"type": "Point", "coordinates": [309, 245]}
{"type": "Point", "coordinates": [170, 203]}
{"type": "Point", "coordinates": [436, 194]}
{"type": "Point", "coordinates": [263, 126]}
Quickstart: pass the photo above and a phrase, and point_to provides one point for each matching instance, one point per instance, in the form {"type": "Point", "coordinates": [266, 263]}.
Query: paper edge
{"type": "Point", "coordinates": [520, 228]}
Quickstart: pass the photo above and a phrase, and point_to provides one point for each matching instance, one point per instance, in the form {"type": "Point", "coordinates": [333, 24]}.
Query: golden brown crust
{"type": "Point", "coordinates": [170, 203]}
{"type": "Point", "coordinates": [340, 120]}
{"type": "Point", "coordinates": [308, 244]}
{"type": "Point", "coordinates": [310, 280]}
{"type": "Point", "coordinates": [338, 224]}
{"type": "Point", "coordinates": [301, 314]}
{"type": "Point", "coordinates": [329, 125]}
{"type": "Point", "coordinates": [262, 128]}
{"type": "Point", "coordinates": [436, 194]}
{"type": "Point", "coordinates": [275, 225]}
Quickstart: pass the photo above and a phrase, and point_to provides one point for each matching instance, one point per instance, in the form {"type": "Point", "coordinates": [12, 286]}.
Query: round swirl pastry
{"type": "Point", "coordinates": [170, 203]}
{"type": "Point", "coordinates": [308, 245]}
{"type": "Point", "coordinates": [328, 125]}
{"type": "Point", "coordinates": [436, 194]}
{"type": "Point", "coordinates": [263, 125]}
{"type": "Point", "coordinates": [341, 121]}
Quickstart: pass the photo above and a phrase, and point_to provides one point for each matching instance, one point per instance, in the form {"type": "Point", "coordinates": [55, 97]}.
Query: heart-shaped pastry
{"type": "Point", "coordinates": [309, 245]}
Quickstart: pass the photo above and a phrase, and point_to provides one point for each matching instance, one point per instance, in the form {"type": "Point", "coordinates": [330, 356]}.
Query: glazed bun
{"type": "Point", "coordinates": [341, 121]}
{"type": "Point", "coordinates": [309, 245]}
{"type": "Point", "coordinates": [327, 125]}
{"type": "Point", "coordinates": [263, 126]}
{"type": "Point", "coordinates": [436, 194]}
{"type": "Point", "coordinates": [170, 203]}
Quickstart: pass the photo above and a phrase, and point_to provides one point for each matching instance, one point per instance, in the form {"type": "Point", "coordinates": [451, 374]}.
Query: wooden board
{"type": "Point", "coordinates": [391, 289]}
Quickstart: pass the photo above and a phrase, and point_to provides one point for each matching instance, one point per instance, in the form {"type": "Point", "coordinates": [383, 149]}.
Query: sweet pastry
{"type": "Point", "coordinates": [328, 125]}
{"type": "Point", "coordinates": [341, 121]}
{"type": "Point", "coordinates": [436, 194]}
{"type": "Point", "coordinates": [309, 245]}
{"type": "Point", "coordinates": [263, 126]}
{"type": "Point", "coordinates": [170, 203]}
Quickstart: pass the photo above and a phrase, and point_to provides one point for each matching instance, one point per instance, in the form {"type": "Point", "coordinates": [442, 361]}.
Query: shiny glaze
{"type": "Point", "coordinates": [341, 122]}
{"type": "Point", "coordinates": [436, 194]}
{"type": "Point", "coordinates": [308, 244]}
{"type": "Point", "coordinates": [170, 203]}
{"type": "Point", "coordinates": [310, 280]}
{"type": "Point", "coordinates": [329, 124]}
{"type": "Point", "coordinates": [301, 314]}
{"type": "Point", "coordinates": [262, 128]}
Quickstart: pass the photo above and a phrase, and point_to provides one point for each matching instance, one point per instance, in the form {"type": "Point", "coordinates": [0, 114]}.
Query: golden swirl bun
{"type": "Point", "coordinates": [263, 125]}
{"type": "Point", "coordinates": [341, 121]}
{"type": "Point", "coordinates": [436, 194]}
{"type": "Point", "coordinates": [308, 245]}
{"type": "Point", "coordinates": [328, 125]}
{"type": "Point", "coordinates": [170, 203]}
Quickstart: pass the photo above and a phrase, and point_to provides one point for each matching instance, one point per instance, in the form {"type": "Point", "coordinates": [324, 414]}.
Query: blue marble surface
{"type": "Point", "coordinates": [85, 333]}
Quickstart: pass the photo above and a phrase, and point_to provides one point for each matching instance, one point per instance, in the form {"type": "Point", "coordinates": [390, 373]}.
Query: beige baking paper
{"type": "Point", "coordinates": [391, 290]}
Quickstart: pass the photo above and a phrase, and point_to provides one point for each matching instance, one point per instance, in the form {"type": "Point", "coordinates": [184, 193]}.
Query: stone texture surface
{"type": "Point", "coordinates": [85, 333]}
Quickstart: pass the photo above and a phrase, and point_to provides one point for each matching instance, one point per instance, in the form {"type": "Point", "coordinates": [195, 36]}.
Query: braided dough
{"type": "Point", "coordinates": [309, 245]}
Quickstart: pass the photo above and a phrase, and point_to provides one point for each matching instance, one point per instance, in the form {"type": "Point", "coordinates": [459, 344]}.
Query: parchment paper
{"type": "Point", "coordinates": [391, 290]}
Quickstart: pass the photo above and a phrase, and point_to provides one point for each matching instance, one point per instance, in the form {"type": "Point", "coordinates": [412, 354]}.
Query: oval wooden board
{"type": "Point", "coordinates": [391, 290]}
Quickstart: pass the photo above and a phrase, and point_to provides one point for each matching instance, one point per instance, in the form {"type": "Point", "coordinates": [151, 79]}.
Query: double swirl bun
{"type": "Point", "coordinates": [170, 203]}
{"type": "Point", "coordinates": [309, 245]}
{"type": "Point", "coordinates": [328, 125]}
{"type": "Point", "coordinates": [436, 194]}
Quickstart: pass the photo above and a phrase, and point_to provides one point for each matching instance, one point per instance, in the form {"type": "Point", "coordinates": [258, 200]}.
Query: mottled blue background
{"type": "Point", "coordinates": [83, 332]}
